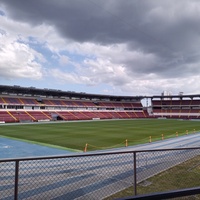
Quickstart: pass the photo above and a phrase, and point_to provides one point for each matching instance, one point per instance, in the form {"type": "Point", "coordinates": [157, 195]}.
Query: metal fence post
{"type": "Point", "coordinates": [16, 179]}
{"type": "Point", "coordinates": [135, 174]}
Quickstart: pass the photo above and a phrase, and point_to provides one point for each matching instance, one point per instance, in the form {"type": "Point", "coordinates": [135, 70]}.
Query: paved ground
{"type": "Point", "coordinates": [89, 177]}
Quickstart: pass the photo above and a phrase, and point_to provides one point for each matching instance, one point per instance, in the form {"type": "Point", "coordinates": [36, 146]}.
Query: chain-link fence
{"type": "Point", "coordinates": [99, 175]}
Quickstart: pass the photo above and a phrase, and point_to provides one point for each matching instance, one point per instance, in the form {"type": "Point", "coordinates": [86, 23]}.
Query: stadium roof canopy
{"type": "Point", "coordinates": [191, 96]}
{"type": "Point", "coordinates": [32, 91]}
{"type": "Point", "coordinates": [53, 93]}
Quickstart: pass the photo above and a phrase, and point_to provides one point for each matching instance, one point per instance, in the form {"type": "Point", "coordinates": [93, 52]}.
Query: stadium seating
{"type": "Point", "coordinates": [5, 116]}
{"type": "Point", "coordinates": [10, 100]}
{"type": "Point", "coordinates": [184, 109]}
{"type": "Point", "coordinates": [19, 104]}
{"type": "Point", "coordinates": [22, 116]}
{"type": "Point", "coordinates": [21, 109]}
{"type": "Point", "coordinates": [28, 101]}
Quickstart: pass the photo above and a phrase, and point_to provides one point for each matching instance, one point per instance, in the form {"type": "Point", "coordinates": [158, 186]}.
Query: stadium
{"type": "Point", "coordinates": [108, 146]}
{"type": "Point", "coordinates": [99, 100]}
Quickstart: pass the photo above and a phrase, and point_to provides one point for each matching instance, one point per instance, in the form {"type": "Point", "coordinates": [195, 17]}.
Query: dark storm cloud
{"type": "Point", "coordinates": [168, 29]}
{"type": "Point", "coordinates": [85, 20]}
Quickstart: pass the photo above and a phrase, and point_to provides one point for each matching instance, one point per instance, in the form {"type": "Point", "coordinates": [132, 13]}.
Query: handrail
{"type": "Point", "coordinates": [165, 195]}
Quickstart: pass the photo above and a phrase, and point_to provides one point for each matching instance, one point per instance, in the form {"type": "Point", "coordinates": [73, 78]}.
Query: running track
{"type": "Point", "coordinates": [93, 177]}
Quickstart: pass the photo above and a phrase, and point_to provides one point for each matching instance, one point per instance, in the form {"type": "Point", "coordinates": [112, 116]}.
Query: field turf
{"type": "Point", "coordinates": [99, 134]}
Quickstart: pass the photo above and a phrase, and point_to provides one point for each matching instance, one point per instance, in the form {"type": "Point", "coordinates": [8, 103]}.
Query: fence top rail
{"type": "Point", "coordinates": [87, 154]}
{"type": "Point", "coordinates": [165, 195]}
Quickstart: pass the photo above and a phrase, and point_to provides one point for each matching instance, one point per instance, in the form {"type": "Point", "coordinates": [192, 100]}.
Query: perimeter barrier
{"type": "Point", "coordinates": [109, 175]}
{"type": "Point", "coordinates": [131, 142]}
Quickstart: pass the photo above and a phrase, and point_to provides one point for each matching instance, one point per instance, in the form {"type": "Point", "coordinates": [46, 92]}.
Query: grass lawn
{"type": "Point", "coordinates": [99, 134]}
{"type": "Point", "coordinates": [184, 175]}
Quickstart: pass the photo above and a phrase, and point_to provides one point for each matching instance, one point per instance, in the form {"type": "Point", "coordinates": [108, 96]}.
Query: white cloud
{"type": "Point", "coordinates": [18, 60]}
{"type": "Point", "coordinates": [64, 60]}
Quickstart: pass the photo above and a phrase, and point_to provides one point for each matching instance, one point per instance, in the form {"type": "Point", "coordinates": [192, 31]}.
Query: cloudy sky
{"type": "Point", "coordinates": [116, 47]}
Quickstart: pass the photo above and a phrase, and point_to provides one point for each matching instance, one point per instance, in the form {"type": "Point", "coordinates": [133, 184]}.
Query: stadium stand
{"type": "Point", "coordinates": [180, 108]}
{"type": "Point", "coordinates": [19, 104]}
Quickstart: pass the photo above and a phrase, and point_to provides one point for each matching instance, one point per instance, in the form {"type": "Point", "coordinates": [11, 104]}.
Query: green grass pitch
{"type": "Point", "coordinates": [99, 134]}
